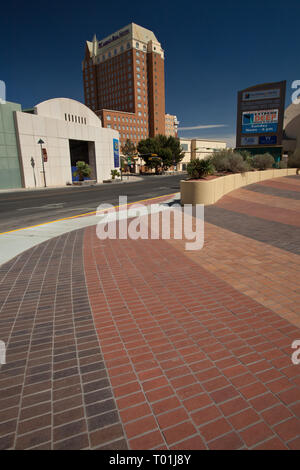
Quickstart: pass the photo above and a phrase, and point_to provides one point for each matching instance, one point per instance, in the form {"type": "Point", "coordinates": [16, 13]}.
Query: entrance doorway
{"type": "Point", "coordinates": [84, 151]}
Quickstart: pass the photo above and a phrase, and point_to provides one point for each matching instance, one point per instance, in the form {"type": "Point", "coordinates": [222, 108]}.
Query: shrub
{"type": "Point", "coordinates": [228, 160]}
{"type": "Point", "coordinates": [199, 168]}
{"type": "Point", "coordinates": [245, 154]}
{"type": "Point", "coordinates": [249, 161]}
{"type": "Point", "coordinates": [83, 170]}
{"type": "Point", "coordinates": [114, 173]}
{"type": "Point", "coordinates": [237, 163]}
{"type": "Point", "coordinates": [220, 160]}
{"type": "Point", "coordinates": [294, 159]}
{"type": "Point", "coordinates": [263, 161]}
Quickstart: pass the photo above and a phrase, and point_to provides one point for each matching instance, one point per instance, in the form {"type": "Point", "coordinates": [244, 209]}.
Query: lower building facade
{"type": "Point", "coordinates": [10, 169]}
{"type": "Point", "coordinates": [52, 137]}
{"type": "Point", "coordinates": [129, 125]}
{"type": "Point", "coordinates": [198, 148]}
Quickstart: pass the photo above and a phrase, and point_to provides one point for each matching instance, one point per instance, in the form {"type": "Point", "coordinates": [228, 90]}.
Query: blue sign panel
{"type": "Point", "coordinates": [116, 153]}
{"type": "Point", "coordinates": [260, 122]}
{"type": "Point", "coordinates": [258, 128]}
{"type": "Point", "coordinates": [267, 139]}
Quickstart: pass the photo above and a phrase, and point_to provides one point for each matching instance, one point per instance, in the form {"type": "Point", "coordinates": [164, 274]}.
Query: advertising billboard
{"type": "Point", "coordinates": [260, 112]}
{"type": "Point", "coordinates": [116, 153]}
{"type": "Point", "coordinates": [259, 121]}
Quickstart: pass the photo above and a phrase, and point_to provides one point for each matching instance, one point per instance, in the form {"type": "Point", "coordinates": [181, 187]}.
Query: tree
{"type": "Point", "coordinates": [82, 170]}
{"type": "Point", "coordinates": [129, 149]}
{"type": "Point", "coordinates": [168, 149]}
{"type": "Point", "coordinates": [147, 148]}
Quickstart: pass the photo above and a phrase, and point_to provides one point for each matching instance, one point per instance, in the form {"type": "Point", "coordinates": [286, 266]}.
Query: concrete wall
{"type": "Point", "coordinates": [53, 123]}
{"type": "Point", "coordinates": [10, 176]}
{"type": "Point", "coordinates": [210, 191]}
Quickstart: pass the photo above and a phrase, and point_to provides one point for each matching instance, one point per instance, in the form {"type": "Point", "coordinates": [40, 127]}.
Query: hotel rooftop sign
{"type": "Point", "coordinates": [113, 38]}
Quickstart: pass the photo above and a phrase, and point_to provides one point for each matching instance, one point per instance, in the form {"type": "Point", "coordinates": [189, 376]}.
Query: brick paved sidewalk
{"type": "Point", "coordinates": [123, 344]}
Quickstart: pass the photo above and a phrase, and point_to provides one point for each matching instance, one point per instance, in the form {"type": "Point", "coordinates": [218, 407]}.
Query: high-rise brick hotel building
{"type": "Point", "coordinates": [124, 82]}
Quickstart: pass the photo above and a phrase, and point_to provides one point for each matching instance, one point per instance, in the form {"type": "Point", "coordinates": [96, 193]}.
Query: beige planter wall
{"type": "Point", "coordinates": [209, 192]}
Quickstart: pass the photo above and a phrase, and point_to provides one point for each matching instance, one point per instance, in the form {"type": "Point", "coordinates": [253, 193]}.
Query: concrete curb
{"type": "Point", "coordinates": [14, 243]}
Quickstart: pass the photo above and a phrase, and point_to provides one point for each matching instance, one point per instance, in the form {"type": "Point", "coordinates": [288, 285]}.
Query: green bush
{"type": "Point", "coordinates": [245, 154]}
{"type": "Point", "coordinates": [263, 161]}
{"type": "Point", "coordinates": [220, 160]}
{"type": "Point", "coordinates": [199, 168]}
{"type": "Point", "coordinates": [237, 163]}
{"type": "Point", "coordinates": [229, 160]}
{"type": "Point", "coordinates": [294, 159]}
{"type": "Point", "coordinates": [249, 161]}
{"type": "Point", "coordinates": [114, 173]}
{"type": "Point", "coordinates": [83, 170]}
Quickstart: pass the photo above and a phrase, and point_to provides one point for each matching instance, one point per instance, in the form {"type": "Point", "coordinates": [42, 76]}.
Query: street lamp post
{"type": "Point", "coordinates": [41, 142]}
{"type": "Point", "coordinates": [121, 169]}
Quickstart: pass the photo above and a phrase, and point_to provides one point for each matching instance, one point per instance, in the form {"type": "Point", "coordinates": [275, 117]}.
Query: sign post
{"type": "Point", "coordinates": [41, 142]}
{"type": "Point", "coordinates": [33, 165]}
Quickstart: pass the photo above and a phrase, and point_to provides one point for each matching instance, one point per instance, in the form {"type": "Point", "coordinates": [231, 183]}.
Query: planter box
{"type": "Point", "coordinates": [210, 191]}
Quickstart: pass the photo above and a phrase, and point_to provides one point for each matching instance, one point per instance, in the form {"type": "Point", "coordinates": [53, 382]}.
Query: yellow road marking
{"type": "Point", "coordinates": [86, 213]}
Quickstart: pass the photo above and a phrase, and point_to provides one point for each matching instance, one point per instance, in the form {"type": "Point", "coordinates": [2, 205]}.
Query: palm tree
{"type": "Point", "coordinates": [82, 170]}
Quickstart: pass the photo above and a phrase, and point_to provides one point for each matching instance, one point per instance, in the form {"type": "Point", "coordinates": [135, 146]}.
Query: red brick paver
{"type": "Point", "coordinates": [119, 344]}
{"type": "Point", "coordinates": [194, 350]}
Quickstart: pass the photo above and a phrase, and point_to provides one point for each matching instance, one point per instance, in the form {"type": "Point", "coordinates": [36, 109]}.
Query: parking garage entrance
{"type": "Point", "coordinates": [84, 151]}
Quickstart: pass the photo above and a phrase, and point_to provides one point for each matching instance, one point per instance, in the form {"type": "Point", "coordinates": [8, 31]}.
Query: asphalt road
{"type": "Point", "coordinates": [26, 208]}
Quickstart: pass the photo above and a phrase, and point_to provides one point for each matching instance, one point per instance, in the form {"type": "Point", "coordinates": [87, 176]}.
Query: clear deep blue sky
{"type": "Point", "coordinates": [212, 50]}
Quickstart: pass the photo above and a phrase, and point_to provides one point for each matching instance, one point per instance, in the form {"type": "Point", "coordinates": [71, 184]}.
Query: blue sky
{"type": "Point", "coordinates": [212, 49]}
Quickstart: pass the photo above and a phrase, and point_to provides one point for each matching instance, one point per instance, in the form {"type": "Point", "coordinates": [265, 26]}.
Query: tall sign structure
{"type": "Point", "coordinates": [260, 112]}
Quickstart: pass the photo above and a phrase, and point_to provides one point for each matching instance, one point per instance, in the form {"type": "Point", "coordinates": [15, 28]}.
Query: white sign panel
{"type": "Point", "coordinates": [261, 95]}
{"type": "Point", "coordinates": [249, 140]}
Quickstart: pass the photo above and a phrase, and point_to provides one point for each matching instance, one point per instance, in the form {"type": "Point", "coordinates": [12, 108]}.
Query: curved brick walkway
{"type": "Point", "coordinates": [137, 344]}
